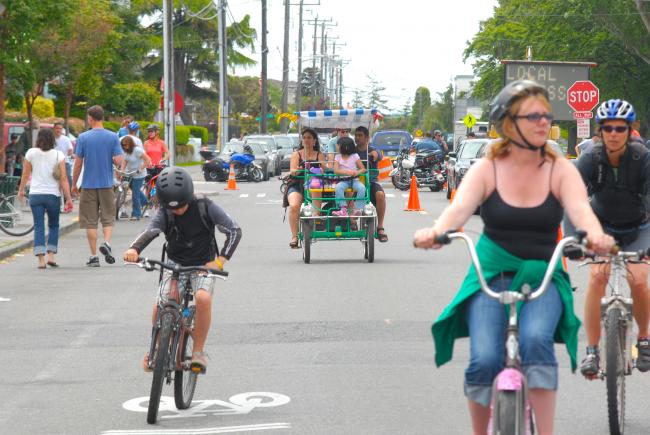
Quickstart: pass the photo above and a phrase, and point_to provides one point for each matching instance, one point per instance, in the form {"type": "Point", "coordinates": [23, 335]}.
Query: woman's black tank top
{"type": "Point", "coordinates": [529, 233]}
{"type": "Point", "coordinates": [301, 162]}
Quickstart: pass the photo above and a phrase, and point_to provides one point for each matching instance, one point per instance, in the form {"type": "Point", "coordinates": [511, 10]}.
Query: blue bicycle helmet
{"type": "Point", "coordinates": [133, 126]}
{"type": "Point", "coordinates": [615, 109]}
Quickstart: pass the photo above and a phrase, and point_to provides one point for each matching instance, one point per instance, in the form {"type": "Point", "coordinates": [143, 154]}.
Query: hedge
{"type": "Point", "coordinates": [112, 126]}
{"type": "Point", "coordinates": [200, 132]}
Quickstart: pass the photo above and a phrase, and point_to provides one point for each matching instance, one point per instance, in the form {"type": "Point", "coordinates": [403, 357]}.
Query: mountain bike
{"type": "Point", "coordinates": [170, 352]}
{"type": "Point", "coordinates": [617, 332]}
{"type": "Point", "coordinates": [16, 217]}
{"type": "Point", "coordinates": [510, 409]}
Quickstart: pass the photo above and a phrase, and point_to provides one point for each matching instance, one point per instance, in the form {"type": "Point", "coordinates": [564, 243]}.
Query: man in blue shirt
{"type": "Point", "coordinates": [97, 149]}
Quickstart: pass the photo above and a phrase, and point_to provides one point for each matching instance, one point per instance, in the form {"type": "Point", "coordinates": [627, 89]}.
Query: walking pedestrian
{"type": "Point", "coordinates": [46, 167]}
{"type": "Point", "coordinates": [97, 150]}
{"type": "Point", "coordinates": [64, 145]}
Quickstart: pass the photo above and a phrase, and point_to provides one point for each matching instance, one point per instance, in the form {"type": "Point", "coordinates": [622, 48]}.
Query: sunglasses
{"type": "Point", "coordinates": [617, 129]}
{"type": "Point", "coordinates": [535, 117]}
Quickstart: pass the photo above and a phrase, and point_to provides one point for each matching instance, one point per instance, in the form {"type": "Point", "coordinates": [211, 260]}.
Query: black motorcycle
{"type": "Point", "coordinates": [217, 168]}
{"type": "Point", "coordinates": [427, 166]}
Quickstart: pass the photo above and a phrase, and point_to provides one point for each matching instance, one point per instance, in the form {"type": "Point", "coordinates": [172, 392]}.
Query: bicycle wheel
{"type": "Point", "coordinates": [161, 364]}
{"type": "Point", "coordinates": [185, 379]}
{"type": "Point", "coordinates": [369, 246]}
{"type": "Point", "coordinates": [16, 217]}
{"type": "Point", "coordinates": [509, 415]}
{"type": "Point", "coordinates": [306, 226]}
{"type": "Point", "coordinates": [615, 370]}
{"type": "Point", "coordinates": [119, 201]}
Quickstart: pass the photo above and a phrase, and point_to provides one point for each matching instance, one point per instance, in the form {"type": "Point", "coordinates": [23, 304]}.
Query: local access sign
{"type": "Point", "coordinates": [556, 77]}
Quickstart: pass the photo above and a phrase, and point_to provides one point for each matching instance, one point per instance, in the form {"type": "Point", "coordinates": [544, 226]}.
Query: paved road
{"type": "Point", "coordinates": [338, 346]}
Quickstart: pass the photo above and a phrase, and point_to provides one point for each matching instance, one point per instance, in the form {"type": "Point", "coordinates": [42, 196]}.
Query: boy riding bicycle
{"type": "Point", "coordinates": [188, 224]}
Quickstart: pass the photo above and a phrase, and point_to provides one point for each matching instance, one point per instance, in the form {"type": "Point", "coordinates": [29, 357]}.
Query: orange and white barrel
{"type": "Point", "coordinates": [384, 167]}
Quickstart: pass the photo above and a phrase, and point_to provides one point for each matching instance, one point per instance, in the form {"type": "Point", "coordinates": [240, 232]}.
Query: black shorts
{"type": "Point", "coordinates": [374, 188]}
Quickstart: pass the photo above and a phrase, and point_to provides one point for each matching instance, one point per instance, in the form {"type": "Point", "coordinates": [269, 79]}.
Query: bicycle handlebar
{"type": "Point", "coordinates": [149, 265]}
{"type": "Point", "coordinates": [510, 296]}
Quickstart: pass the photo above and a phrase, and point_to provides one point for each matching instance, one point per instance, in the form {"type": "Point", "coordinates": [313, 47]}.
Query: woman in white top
{"type": "Point", "coordinates": [45, 193]}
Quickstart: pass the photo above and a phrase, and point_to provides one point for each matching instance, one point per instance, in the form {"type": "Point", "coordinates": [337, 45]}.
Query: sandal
{"type": "Point", "coordinates": [294, 243]}
{"type": "Point", "coordinates": [199, 362]}
{"type": "Point", "coordinates": [381, 235]}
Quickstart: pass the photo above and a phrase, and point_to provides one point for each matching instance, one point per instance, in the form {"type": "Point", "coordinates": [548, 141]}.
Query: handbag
{"type": "Point", "coordinates": [56, 172]}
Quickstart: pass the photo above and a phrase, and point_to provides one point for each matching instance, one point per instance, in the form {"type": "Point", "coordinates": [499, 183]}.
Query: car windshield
{"type": "Point", "coordinates": [258, 148]}
{"type": "Point", "coordinates": [391, 140]}
{"type": "Point", "coordinates": [295, 139]}
{"type": "Point", "coordinates": [233, 148]}
{"type": "Point", "coordinates": [268, 141]}
{"type": "Point", "coordinates": [284, 143]}
{"type": "Point", "coordinates": [471, 149]}
{"type": "Point", "coordinates": [427, 146]}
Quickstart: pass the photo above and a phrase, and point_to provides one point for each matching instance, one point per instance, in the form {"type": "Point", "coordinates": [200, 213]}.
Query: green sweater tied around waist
{"type": "Point", "coordinates": [494, 260]}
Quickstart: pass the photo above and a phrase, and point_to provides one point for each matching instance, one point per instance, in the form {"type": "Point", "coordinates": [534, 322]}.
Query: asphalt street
{"type": "Point", "coordinates": [338, 346]}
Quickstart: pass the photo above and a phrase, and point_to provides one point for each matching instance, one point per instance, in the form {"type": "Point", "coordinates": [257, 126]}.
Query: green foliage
{"type": "Point", "coordinates": [112, 126]}
{"type": "Point", "coordinates": [375, 94]}
{"type": "Point", "coordinates": [421, 103]}
{"type": "Point", "coordinates": [440, 116]}
{"type": "Point", "coordinates": [139, 99]}
{"type": "Point", "coordinates": [200, 132]}
{"type": "Point", "coordinates": [182, 134]}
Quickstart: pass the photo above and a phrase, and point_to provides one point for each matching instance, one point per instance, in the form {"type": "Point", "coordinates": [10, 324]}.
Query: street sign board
{"type": "Point", "coordinates": [583, 128]}
{"type": "Point", "coordinates": [469, 120]}
{"type": "Point", "coordinates": [583, 115]}
{"type": "Point", "coordinates": [556, 77]}
{"type": "Point", "coordinates": [582, 96]}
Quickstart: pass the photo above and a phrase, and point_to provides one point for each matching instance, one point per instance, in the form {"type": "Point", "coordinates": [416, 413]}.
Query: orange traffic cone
{"type": "Point", "coordinates": [232, 184]}
{"type": "Point", "coordinates": [414, 199]}
{"type": "Point", "coordinates": [451, 196]}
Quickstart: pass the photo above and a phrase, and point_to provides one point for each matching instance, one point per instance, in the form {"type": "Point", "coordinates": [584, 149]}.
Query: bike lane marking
{"type": "Point", "coordinates": [202, 431]}
{"type": "Point", "coordinates": [4, 299]}
{"type": "Point", "coordinates": [243, 195]}
{"type": "Point", "coordinates": [261, 195]}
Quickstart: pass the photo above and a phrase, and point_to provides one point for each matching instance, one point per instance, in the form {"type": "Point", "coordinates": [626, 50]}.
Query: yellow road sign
{"type": "Point", "coordinates": [418, 133]}
{"type": "Point", "coordinates": [469, 120]}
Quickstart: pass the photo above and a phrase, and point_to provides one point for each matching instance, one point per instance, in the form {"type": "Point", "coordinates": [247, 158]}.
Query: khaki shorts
{"type": "Point", "coordinates": [95, 204]}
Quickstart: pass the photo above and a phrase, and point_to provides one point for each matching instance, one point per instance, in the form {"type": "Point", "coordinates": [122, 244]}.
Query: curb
{"type": "Point", "coordinates": [21, 246]}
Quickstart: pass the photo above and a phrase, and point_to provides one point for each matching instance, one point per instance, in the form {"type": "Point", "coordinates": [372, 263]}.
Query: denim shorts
{"type": "Point", "coordinates": [486, 319]}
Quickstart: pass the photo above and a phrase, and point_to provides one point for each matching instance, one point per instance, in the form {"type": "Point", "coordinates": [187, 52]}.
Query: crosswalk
{"type": "Point", "coordinates": [264, 195]}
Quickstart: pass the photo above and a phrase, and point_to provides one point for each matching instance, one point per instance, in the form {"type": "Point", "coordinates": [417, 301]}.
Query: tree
{"type": "Point", "coordinates": [421, 103]}
{"type": "Point", "coordinates": [195, 48]}
{"type": "Point", "coordinates": [311, 80]}
{"type": "Point", "coordinates": [139, 99]}
{"type": "Point", "coordinates": [82, 54]}
{"type": "Point", "coordinates": [357, 100]}
{"type": "Point", "coordinates": [21, 24]}
{"type": "Point", "coordinates": [578, 30]}
{"type": "Point", "coordinates": [375, 94]}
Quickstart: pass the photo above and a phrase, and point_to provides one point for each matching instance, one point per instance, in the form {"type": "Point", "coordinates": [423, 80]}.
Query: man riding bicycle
{"type": "Point", "coordinates": [617, 174]}
{"type": "Point", "coordinates": [188, 224]}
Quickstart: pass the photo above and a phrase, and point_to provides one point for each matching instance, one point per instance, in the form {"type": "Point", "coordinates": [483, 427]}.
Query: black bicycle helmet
{"type": "Point", "coordinates": [248, 149]}
{"type": "Point", "coordinates": [153, 127]}
{"type": "Point", "coordinates": [174, 187]}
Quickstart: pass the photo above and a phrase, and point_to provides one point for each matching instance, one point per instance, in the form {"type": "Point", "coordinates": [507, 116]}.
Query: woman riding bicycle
{"type": "Point", "coordinates": [523, 188]}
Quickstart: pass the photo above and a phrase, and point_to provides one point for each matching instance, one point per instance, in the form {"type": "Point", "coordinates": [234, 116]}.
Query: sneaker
{"type": "Point", "coordinates": [134, 218]}
{"type": "Point", "coordinates": [590, 365]}
{"type": "Point", "coordinates": [643, 360]}
{"type": "Point", "coordinates": [123, 213]}
{"type": "Point", "coordinates": [146, 214]}
{"type": "Point", "coordinates": [105, 249]}
{"type": "Point", "coordinates": [93, 261]}
{"type": "Point", "coordinates": [342, 212]}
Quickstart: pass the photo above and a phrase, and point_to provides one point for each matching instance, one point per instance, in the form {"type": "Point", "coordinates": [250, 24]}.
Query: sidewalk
{"type": "Point", "coordinates": [10, 245]}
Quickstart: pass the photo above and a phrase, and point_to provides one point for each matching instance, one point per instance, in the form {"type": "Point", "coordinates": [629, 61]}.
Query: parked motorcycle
{"type": "Point", "coordinates": [427, 167]}
{"type": "Point", "coordinates": [218, 168]}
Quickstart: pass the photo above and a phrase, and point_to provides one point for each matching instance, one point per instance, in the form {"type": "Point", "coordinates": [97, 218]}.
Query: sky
{"type": "Point", "coordinates": [403, 44]}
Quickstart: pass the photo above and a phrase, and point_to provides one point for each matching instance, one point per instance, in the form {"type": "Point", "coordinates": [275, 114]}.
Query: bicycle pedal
{"type": "Point", "coordinates": [197, 369]}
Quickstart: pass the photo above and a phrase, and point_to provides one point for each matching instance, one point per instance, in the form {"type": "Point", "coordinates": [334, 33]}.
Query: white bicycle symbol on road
{"type": "Point", "coordinates": [242, 403]}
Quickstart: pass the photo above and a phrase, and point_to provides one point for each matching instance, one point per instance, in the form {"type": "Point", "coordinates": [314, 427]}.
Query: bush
{"type": "Point", "coordinates": [182, 134]}
{"type": "Point", "coordinates": [112, 126]}
{"type": "Point", "coordinates": [42, 108]}
{"type": "Point", "coordinates": [200, 132]}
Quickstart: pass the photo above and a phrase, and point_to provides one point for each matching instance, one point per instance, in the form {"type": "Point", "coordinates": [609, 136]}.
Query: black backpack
{"type": "Point", "coordinates": [203, 202]}
{"type": "Point", "coordinates": [633, 170]}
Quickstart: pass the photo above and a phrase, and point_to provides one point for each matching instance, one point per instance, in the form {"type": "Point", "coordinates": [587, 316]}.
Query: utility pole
{"type": "Point", "coordinates": [333, 74]}
{"type": "Point", "coordinates": [299, 82]}
{"type": "Point", "coordinates": [223, 78]}
{"type": "Point", "coordinates": [265, 51]}
{"type": "Point", "coordinates": [285, 68]}
{"type": "Point", "coordinates": [168, 79]}
{"type": "Point", "coordinates": [313, 68]}
{"type": "Point", "coordinates": [323, 59]}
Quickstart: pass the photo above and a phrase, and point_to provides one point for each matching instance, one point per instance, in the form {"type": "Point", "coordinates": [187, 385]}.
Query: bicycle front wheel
{"type": "Point", "coordinates": [120, 197]}
{"type": "Point", "coordinates": [509, 414]}
{"type": "Point", "coordinates": [161, 364]}
{"type": "Point", "coordinates": [185, 379]}
{"type": "Point", "coordinates": [16, 217]}
{"type": "Point", "coordinates": [615, 370]}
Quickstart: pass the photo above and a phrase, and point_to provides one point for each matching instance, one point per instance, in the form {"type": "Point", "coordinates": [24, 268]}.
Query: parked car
{"type": "Point", "coordinates": [273, 145]}
{"type": "Point", "coordinates": [286, 146]}
{"type": "Point", "coordinates": [469, 151]}
{"type": "Point", "coordinates": [391, 142]}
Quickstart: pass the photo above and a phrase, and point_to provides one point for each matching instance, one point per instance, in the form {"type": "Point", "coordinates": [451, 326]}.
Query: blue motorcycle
{"type": "Point", "coordinates": [218, 168]}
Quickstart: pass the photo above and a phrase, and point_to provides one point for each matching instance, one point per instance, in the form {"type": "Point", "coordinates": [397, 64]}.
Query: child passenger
{"type": "Point", "coordinates": [349, 163]}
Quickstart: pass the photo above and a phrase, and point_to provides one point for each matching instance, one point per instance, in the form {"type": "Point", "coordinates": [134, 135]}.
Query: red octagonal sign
{"type": "Point", "coordinates": [582, 96]}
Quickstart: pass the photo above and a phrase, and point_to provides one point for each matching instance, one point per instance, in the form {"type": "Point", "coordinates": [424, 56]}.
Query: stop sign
{"type": "Point", "coordinates": [582, 96]}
